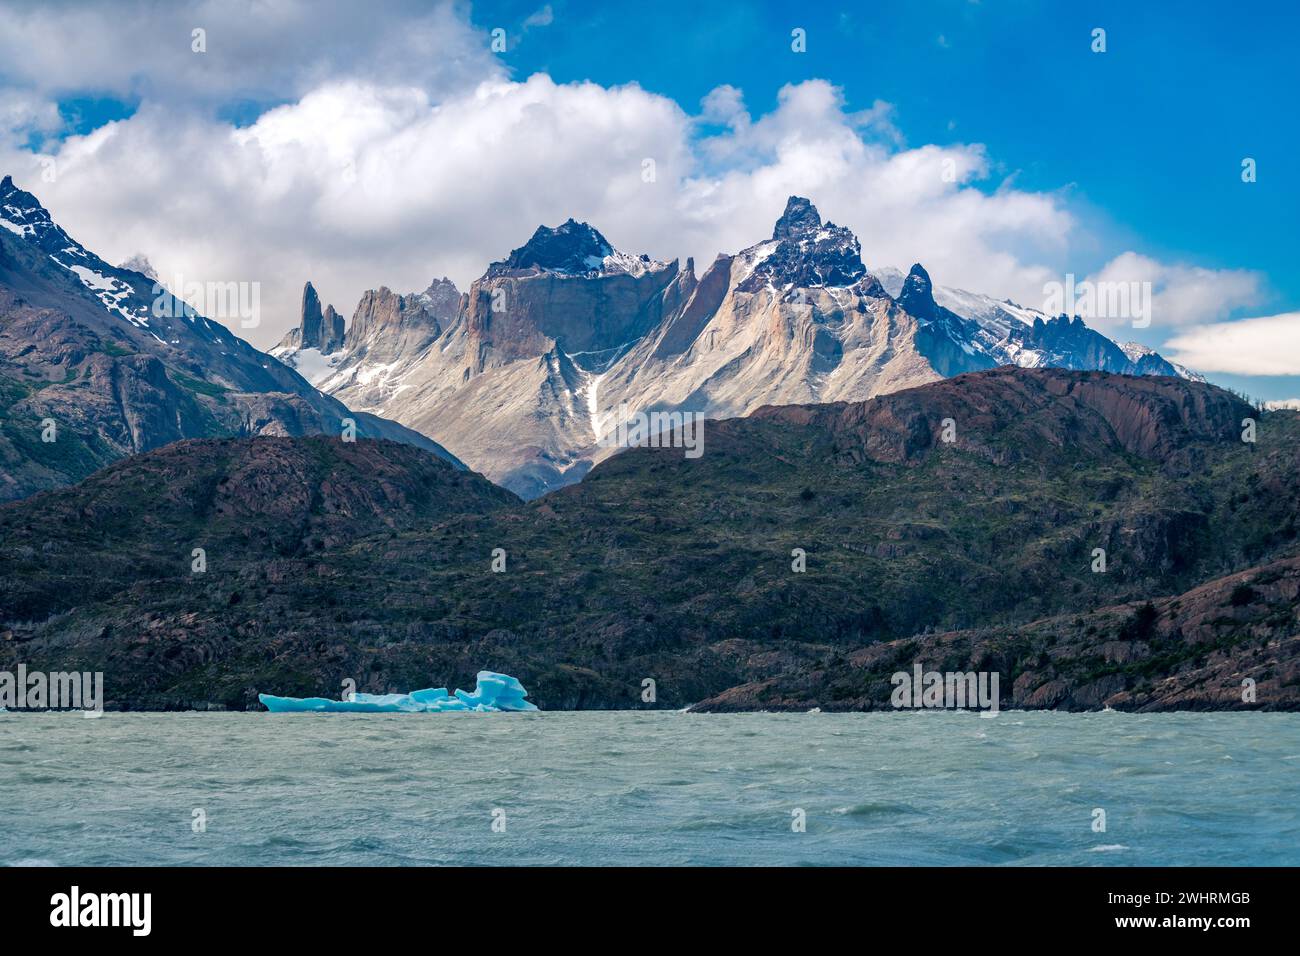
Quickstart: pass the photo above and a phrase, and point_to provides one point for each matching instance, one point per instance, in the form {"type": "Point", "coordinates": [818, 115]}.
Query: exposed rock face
{"type": "Point", "coordinates": [386, 328]}
{"type": "Point", "coordinates": [328, 560]}
{"type": "Point", "coordinates": [804, 254]}
{"type": "Point", "coordinates": [332, 331]}
{"type": "Point", "coordinates": [1009, 414]}
{"type": "Point", "coordinates": [558, 338]}
{"type": "Point", "coordinates": [505, 368]}
{"type": "Point", "coordinates": [310, 329]}
{"type": "Point", "coordinates": [320, 331]}
{"type": "Point", "coordinates": [800, 219]}
{"type": "Point", "coordinates": [442, 300]}
{"type": "Point", "coordinates": [117, 369]}
{"type": "Point", "coordinates": [572, 247]}
{"type": "Point", "coordinates": [917, 294]}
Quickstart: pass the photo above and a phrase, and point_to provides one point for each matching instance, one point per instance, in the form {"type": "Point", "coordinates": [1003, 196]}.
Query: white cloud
{"type": "Point", "coordinates": [1269, 345]}
{"type": "Point", "coordinates": [23, 113]}
{"type": "Point", "coordinates": [355, 186]}
{"type": "Point", "coordinates": [1185, 295]}
{"type": "Point", "coordinates": [402, 153]}
{"type": "Point", "coordinates": [725, 104]}
{"type": "Point", "coordinates": [273, 49]}
{"type": "Point", "coordinates": [543, 17]}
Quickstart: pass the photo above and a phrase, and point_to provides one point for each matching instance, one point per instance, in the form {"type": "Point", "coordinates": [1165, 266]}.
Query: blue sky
{"type": "Point", "coordinates": [1151, 133]}
{"type": "Point", "coordinates": [1136, 151]}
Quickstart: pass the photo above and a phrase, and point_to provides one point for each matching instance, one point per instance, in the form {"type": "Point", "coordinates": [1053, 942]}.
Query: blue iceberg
{"type": "Point", "coordinates": [495, 692]}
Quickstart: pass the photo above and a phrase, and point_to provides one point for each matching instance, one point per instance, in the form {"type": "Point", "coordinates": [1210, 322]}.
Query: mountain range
{"type": "Point", "coordinates": [523, 375]}
{"type": "Point", "coordinates": [98, 362]}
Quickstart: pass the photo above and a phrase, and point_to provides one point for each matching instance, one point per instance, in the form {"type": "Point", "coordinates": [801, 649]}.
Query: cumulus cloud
{"type": "Point", "coordinates": [1185, 295]}
{"type": "Point", "coordinates": [401, 151]}
{"type": "Point", "coordinates": [356, 185]}
{"type": "Point", "coordinates": [1269, 345]}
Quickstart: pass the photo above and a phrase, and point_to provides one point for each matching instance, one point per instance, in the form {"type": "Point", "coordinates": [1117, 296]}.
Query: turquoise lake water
{"type": "Point", "coordinates": [650, 789]}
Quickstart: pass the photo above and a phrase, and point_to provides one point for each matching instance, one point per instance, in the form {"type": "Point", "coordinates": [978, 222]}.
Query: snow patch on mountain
{"type": "Point", "coordinates": [310, 364]}
{"type": "Point", "coordinates": [112, 292]}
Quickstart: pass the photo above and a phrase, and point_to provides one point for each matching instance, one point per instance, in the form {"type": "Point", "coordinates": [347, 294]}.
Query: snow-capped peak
{"type": "Point", "coordinates": [22, 214]}
{"type": "Point", "coordinates": [803, 253]}
{"type": "Point", "coordinates": [572, 248]}
{"type": "Point", "coordinates": [128, 292]}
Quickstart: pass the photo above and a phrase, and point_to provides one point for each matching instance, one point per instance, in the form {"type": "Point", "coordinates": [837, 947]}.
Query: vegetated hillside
{"type": "Point", "coordinates": [974, 554]}
{"type": "Point", "coordinates": [239, 500]}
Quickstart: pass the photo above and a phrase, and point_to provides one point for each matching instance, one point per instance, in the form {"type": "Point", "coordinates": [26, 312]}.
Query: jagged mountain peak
{"type": "Point", "coordinates": [800, 217]}
{"type": "Point", "coordinates": [9, 188]}
{"type": "Point", "coordinates": [918, 274]}
{"type": "Point", "coordinates": [22, 213]}
{"type": "Point", "coordinates": [439, 287]}
{"type": "Point", "coordinates": [803, 253]}
{"type": "Point", "coordinates": [124, 366]}
{"type": "Point", "coordinates": [1062, 323]}
{"type": "Point", "coordinates": [571, 248]}
{"type": "Point", "coordinates": [792, 319]}
{"type": "Point", "coordinates": [318, 328]}
{"type": "Point", "coordinates": [917, 295]}
{"type": "Point", "coordinates": [125, 291]}
{"type": "Point", "coordinates": [16, 200]}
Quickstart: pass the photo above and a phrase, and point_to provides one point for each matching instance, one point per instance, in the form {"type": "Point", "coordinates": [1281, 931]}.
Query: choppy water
{"type": "Point", "coordinates": [641, 788]}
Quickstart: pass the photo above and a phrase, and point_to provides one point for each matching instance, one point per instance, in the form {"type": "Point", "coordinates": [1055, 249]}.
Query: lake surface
{"type": "Point", "coordinates": [650, 788]}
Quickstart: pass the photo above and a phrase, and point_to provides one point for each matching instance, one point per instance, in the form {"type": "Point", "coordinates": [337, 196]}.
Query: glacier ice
{"type": "Point", "coordinates": [494, 692]}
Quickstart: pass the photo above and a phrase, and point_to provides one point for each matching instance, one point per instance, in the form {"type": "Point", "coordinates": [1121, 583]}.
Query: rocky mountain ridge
{"type": "Point", "coordinates": [98, 362]}
{"type": "Point", "coordinates": [553, 344]}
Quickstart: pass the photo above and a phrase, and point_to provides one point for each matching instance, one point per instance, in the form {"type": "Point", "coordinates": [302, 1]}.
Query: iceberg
{"type": "Point", "coordinates": [493, 693]}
